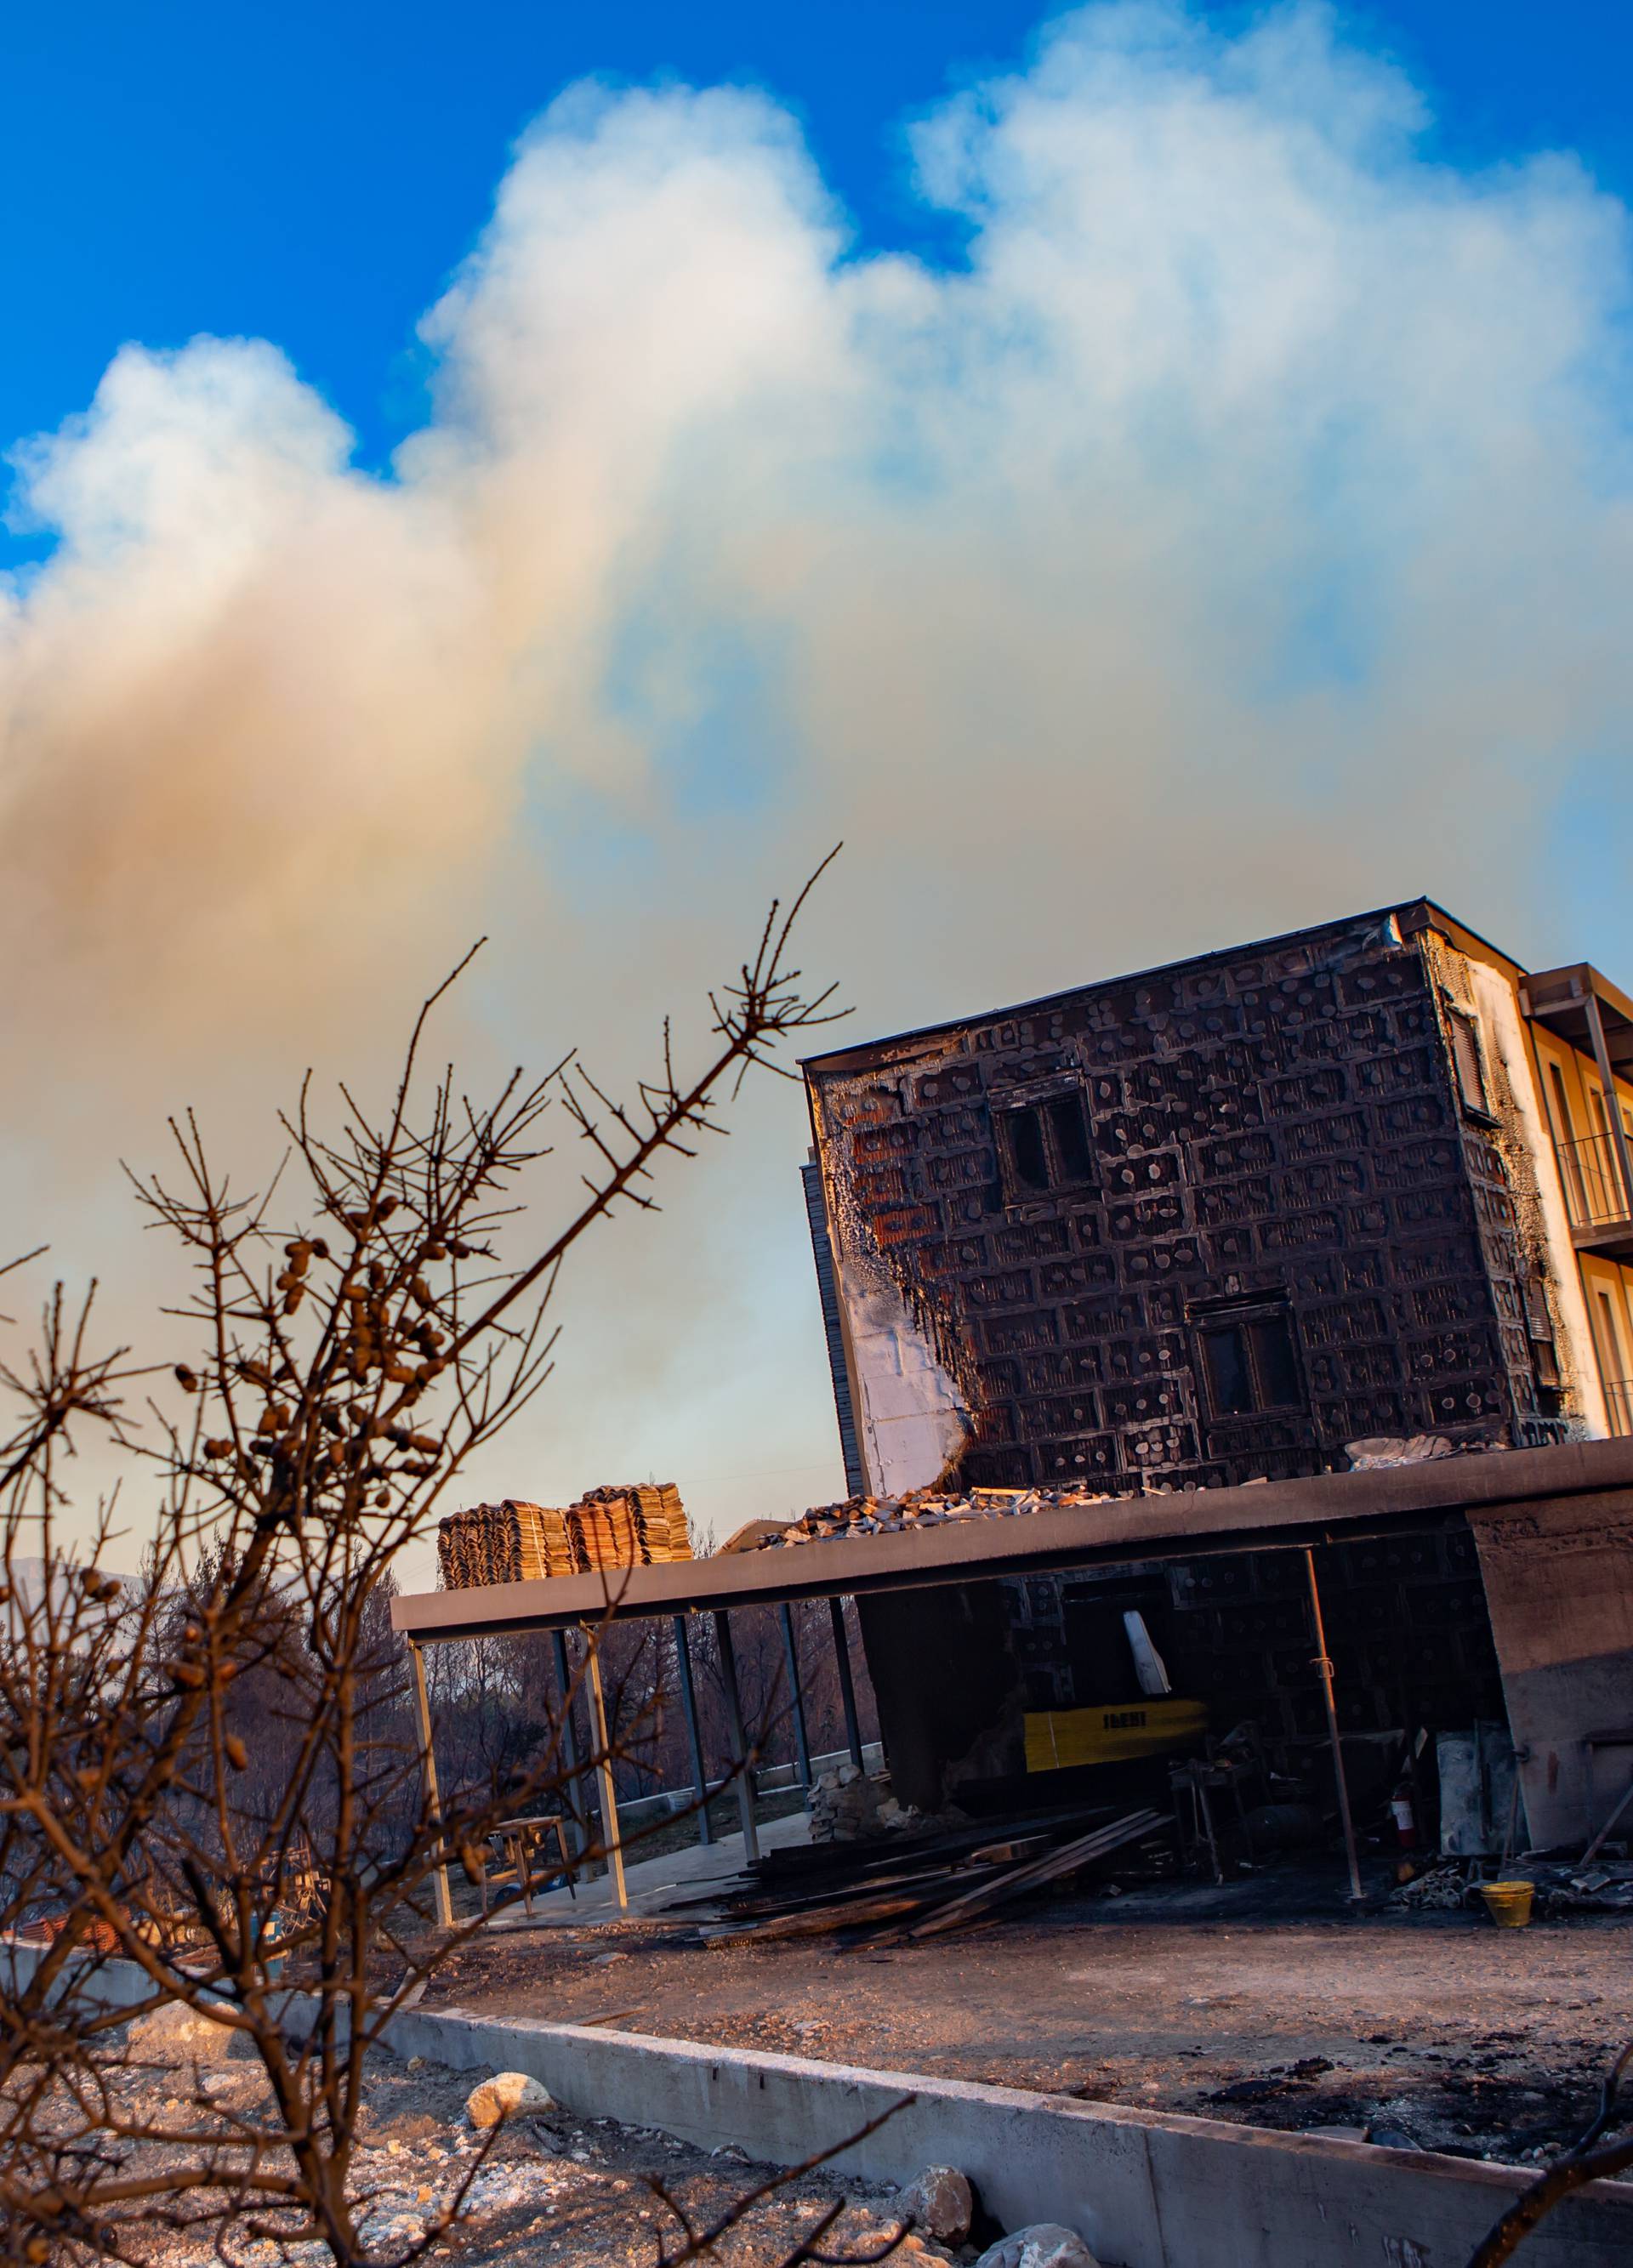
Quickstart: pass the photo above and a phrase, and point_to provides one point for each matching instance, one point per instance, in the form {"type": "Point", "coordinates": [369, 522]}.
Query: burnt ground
{"type": "Point", "coordinates": [556, 2191]}
{"type": "Point", "coordinates": [1434, 2029]}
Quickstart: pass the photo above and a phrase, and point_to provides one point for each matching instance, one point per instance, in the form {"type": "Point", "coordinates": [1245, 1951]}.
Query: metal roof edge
{"type": "Point", "coordinates": [1255, 1515]}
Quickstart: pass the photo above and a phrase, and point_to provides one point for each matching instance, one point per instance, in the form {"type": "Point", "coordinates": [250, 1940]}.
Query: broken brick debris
{"type": "Point", "coordinates": [928, 1507]}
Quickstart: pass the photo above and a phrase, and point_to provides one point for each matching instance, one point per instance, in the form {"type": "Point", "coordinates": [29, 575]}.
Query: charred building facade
{"type": "Point", "coordinates": [1223, 1221]}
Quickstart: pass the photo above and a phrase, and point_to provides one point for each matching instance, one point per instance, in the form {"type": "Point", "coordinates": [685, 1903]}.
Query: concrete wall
{"type": "Point", "coordinates": [1145, 2189]}
{"type": "Point", "coordinates": [1559, 1581]}
{"type": "Point", "coordinates": [106, 1981]}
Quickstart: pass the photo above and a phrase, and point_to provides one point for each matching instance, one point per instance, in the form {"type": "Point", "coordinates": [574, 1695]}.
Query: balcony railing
{"type": "Point", "coordinates": [1619, 1403]}
{"type": "Point", "coordinates": [1595, 1197]}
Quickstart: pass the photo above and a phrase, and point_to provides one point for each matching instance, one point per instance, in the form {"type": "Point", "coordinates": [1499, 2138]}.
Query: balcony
{"type": "Point", "coordinates": [1619, 1406]}
{"type": "Point", "coordinates": [1596, 1197]}
{"type": "Point", "coordinates": [1592, 1015]}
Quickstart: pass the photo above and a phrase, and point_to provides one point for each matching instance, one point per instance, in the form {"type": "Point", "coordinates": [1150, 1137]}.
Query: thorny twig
{"type": "Point", "coordinates": [701, 2242]}
{"type": "Point", "coordinates": [212, 1773]}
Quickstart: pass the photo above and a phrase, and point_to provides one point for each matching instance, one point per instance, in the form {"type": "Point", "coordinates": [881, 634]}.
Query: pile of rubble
{"type": "Point", "coordinates": [928, 1507]}
{"type": "Point", "coordinates": [849, 1805]}
{"type": "Point", "coordinates": [1560, 1886]}
{"type": "Point", "coordinates": [641, 1526]}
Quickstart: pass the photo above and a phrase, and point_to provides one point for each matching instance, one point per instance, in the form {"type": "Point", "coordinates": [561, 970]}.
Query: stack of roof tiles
{"type": "Point", "coordinates": [508, 1542]}
{"type": "Point", "coordinates": [641, 1526]}
{"type": "Point", "coordinates": [656, 1518]}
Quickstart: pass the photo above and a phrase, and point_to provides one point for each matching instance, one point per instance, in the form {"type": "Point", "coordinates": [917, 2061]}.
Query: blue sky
{"type": "Point", "coordinates": [309, 173]}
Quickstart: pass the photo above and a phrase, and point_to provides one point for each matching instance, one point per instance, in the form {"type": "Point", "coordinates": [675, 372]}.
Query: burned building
{"type": "Point", "coordinates": [1246, 1217]}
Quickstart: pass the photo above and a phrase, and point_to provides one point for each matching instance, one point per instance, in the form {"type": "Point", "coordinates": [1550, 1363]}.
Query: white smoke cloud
{"type": "Point", "coordinates": [1238, 535]}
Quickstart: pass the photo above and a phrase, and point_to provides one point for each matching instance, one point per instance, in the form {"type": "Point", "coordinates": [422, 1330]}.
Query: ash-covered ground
{"type": "Point", "coordinates": [1437, 2029]}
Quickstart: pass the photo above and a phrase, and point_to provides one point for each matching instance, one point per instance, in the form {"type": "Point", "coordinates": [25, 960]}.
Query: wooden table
{"type": "Point", "coordinates": [518, 1840]}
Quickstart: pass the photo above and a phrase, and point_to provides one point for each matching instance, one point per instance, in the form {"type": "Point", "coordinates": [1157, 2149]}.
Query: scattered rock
{"type": "Point", "coordinates": [504, 2097]}
{"type": "Point", "coordinates": [1392, 2137]}
{"type": "Point", "coordinates": [175, 2035]}
{"type": "Point", "coordinates": [845, 1803]}
{"type": "Point", "coordinates": [1045, 2244]}
{"type": "Point", "coordinates": [938, 2201]}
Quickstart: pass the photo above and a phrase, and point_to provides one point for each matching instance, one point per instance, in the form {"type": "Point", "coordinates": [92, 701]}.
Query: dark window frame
{"type": "Point", "coordinates": [1468, 1064]}
{"type": "Point", "coordinates": [1266, 1357]}
{"type": "Point", "coordinates": [1045, 1148]}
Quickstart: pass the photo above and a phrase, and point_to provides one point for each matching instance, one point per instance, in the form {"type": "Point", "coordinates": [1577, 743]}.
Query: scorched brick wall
{"type": "Point", "coordinates": [1281, 1122]}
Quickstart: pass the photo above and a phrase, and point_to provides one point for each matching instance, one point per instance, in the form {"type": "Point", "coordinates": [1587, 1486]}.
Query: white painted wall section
{"type": "Point", "coordinates": [910, 1418]}
{"type": "Point", "coordinates": [1503, 1029]}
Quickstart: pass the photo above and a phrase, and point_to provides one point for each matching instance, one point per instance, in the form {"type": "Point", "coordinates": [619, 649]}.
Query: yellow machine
{"type": "Point", "coordinates": [1111, 1734]}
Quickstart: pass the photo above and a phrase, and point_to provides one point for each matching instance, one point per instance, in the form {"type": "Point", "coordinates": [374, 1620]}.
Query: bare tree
{"type": "Point", "coordinates": [211, 1774]}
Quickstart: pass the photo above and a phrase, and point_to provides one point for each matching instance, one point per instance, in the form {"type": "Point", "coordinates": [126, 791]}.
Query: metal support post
{"type": "Point", "coordinates": [796, 1699]}
{"type": "Point", "coordinates": [428, 1768]}
{"type": "Point", "coordinates": [1612, 1102]}
{"type": "Point", "coordinates": [578, 1808]}
{"type": "Point", "coordinates": [739, 1738]}
{"type": "Point", "coordinates": [603, 1774]}
{"type": "Point", "coordinates": [1325, 1666]}
{"type": "Point", "coordinates": [847, 1690]}
{"type": "Point", "coordinates": [694, 1738]}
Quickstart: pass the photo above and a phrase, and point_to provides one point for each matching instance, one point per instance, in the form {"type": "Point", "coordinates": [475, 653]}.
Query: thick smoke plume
{"type": "Point", "coordinates": [1237, 533]}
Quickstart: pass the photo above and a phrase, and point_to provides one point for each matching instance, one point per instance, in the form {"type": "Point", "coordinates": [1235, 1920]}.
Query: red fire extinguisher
{"type": "Point", "coordinates": [1405, 1817]}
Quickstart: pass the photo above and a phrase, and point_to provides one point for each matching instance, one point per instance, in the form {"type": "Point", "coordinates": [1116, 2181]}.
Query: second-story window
{"type": "Point", "coordinates": [1247, 1358]}
{"type": "Point", "coordinates": [1045, 1147]}
{"type": "Point", "coordinates": [1466, 1061]}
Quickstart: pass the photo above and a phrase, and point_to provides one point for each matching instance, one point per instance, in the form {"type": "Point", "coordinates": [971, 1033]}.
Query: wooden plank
{"type": "Point", "coordinates": [1132, 1828]}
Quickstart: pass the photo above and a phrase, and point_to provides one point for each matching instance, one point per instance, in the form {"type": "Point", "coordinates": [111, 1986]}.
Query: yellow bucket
{"type": "Point", "coordinates": [1508, 1903]}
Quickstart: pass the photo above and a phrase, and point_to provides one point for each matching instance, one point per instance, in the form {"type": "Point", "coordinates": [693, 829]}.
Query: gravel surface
{"type": "Point", "coordinates": [553, 2192]}
{"type": "Point", "coordinates": [1438, 2028]}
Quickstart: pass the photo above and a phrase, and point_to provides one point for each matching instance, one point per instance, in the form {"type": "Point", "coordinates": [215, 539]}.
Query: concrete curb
{"type": "Point", "coordinates": [102, 1978]}
{"type": "Point", "coordinates": [1146, 2189]}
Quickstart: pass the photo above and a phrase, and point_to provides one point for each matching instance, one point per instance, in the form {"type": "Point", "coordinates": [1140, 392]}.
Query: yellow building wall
{"type": "Point", "coordinates": [1607, 1285]}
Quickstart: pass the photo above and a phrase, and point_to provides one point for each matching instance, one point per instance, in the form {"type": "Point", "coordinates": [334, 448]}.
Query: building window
{"type": "Point", "coordinates": [1045, 1147]}
{"type": "Point", "coordinates": [1471, 1073]}
{"type": "Point", "coordinates": [1564, 1130]}
{"type": "Point", "coordinates": [1248, 1361]}
{"type": "Point", "coordinates": [1539, 1325]}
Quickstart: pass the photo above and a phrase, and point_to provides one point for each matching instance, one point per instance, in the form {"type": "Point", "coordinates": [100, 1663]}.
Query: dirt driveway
{"type": "Point", "coordinates": [1432, 2028]}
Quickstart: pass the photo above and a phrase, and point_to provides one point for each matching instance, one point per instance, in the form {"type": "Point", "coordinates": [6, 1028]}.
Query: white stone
{"type": "Point", "coordinates": [1043, 2244]}
{"type": "Point", "coordinates": [938, 2202]}
{"type": "Point", "coordinates": [504, 2097]}
{"type": "Point", "coordinates": [177, 2034]}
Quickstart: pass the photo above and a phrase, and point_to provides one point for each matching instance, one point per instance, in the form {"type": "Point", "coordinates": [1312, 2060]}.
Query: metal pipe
{"type": "Point", "coordinates": [1613, 1103]}
{"type": "Point", "coordinates": [796, 1699]}
{"type": "Point", "coordinates": [694, 1738]}
{"type": "Point", "coordinates": [1325, 1666]}
{"type": "Point", "coordinates": [847, 1690]}
{"type": "Point", "coordinates": [739, 1739]}
{"type": "Point", "coordinates": [577, 1808]}
{"type": "Point", "coordinates": [603, 1772]}
{"type": "Point", "coordinates": [428, 1769]}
